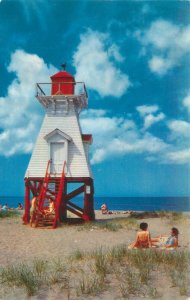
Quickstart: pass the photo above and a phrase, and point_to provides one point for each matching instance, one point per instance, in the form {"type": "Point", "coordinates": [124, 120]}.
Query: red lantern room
{"type": "Point", "coordinates": [62, 83]}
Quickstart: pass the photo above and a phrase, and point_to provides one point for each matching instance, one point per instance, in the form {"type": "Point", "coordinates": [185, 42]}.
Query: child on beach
{"type": "Point", "coordinates": [165, 241]}
{"type": "Point", "coordinates": [143, 239]}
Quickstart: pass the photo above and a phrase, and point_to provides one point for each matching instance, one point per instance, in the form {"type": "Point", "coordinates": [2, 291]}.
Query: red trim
{"type": "Point", "coordinates": [87, 138]}
{"type": "Point", "coordinates": [86, 180]}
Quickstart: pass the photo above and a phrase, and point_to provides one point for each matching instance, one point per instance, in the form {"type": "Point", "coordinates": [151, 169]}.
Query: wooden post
{"type": "Point", "coordinates": [26, 217]}
{"type": "Point", "coordinates": [63, 212]}
{"type": "Point", "coordinates": [88, 214]}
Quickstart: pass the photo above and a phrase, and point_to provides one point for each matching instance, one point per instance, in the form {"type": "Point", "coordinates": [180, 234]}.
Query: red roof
{"type": "Point", "coordinates": [62, 74]}
{"type": "Point", "coordinates": [87, 138]}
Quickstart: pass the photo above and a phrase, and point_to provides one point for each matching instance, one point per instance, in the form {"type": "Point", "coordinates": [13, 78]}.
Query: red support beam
{"type": "Point", "coordinates": [75, 206]}
{"type": "Point", "coordinates": [88, 214]}
{"type": "Point", "coordinates": [63, 203]}
{"type": "Point", "coordinates": [75, 212]}
{"type": "Point", "coordinates": [26, 217]}
{"type": "Point", "coordinates": [74, 193]}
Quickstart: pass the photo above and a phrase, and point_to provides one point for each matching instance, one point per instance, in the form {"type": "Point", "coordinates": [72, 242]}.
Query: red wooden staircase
{"type": "Point", "coordinates": [51, 191]}
{"type": "Point", "coordinates": [53, 202]}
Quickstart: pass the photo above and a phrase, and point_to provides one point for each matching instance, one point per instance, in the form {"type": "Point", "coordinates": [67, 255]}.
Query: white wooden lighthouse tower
{"type": "Point", "coordinates": [60, 155]}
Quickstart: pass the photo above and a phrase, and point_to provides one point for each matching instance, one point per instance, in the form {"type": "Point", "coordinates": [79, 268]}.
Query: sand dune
{"type": "Point", "coordinates": [21, 243]}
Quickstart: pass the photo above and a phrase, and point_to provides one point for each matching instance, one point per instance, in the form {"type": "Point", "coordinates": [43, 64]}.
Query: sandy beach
{"type": "Point", "coordinates": [21, 243]}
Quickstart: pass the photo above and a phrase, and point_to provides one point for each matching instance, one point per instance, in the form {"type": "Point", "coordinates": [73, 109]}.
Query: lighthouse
{"type": "Point", "coordinates": [59, 168]}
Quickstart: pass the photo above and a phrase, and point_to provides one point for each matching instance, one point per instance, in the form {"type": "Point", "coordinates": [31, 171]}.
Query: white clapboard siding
{"type": "Point", "coordinates": [77, 164]}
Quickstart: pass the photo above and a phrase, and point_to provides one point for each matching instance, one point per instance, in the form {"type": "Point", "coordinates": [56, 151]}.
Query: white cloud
{"type": "Point", "coordinates": [159, 65]}
{"type": "Point", "coordinates": [93, 113]}
{"type": "Point", "coordinates": [180, 137]}
{"type": "Point", "coordinates": [147, 109]}
{"type": "Point", "coordinates": [94, 65]}
{"type": "Point", "coordinates": [40, 9]}
{"type": "Point", "coordinates": [179, 128]}
{"type": "Point", "coordinates": [117, 137]}
{"type": "Point", "coordinates": [19, 110]}
{"type": "Point", "coordinates": [179, 157]}
{"type": "Point", "coordinates": [167, 44]}
{"type": "Point", "coordinates": [186, 103]}
{"type": "Point", "coordinates": [147, 112]}
{"type": "Point", "coordinates": [113, 51]}
{"type": "Point", "coordinates": [150, 119]}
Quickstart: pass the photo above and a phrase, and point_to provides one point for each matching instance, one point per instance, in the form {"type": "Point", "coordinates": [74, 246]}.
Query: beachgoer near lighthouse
{"type": "Point", "coordinates": [104, 209]}
{"type": "Point", "coordinates": [20, 206]}
{"type": "Point", "coordinates": [4, 207]}
{"type": "Point", "coordinates": [165, 241]}
{"type": "Point", "coordinates": [143, 239]}
{"type": "Point", "coordinates": [51, 208]}
{"type": "Point", "coordinates": [33, 209]}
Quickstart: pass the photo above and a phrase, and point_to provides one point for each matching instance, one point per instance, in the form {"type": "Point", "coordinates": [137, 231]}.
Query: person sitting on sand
{"type": "Point", "coordinates": [33, 209]}
{"type": "Point", "coordinates": [143, 239]}
{"type": "Point", "coordinates": [20, 206]}
{"type": "Point", "coordinates": [4, 207]}
{"type": "Point", "coordinates": [165, 241]}
{"type": "Point", "coordinates": [104, 209]}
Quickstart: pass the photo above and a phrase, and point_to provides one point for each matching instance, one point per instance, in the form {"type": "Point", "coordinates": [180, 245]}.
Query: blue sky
{"type": "Point", "coordinates": [134, 59]}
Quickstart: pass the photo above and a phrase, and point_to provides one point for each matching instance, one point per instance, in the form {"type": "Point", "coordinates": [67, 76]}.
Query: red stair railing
{"type": "Point", "coordinates": [59, 196]}
{"type": "Point", "coordinates": [44, 187]}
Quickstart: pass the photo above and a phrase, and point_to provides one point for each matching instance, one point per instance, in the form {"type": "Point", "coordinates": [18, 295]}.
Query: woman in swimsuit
{"type": "Point", "coordinates": [166, 241]}
{"type": "Point", "coordinates": [143, 239]}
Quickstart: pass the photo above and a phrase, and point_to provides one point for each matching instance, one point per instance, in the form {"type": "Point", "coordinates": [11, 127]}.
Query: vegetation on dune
{"type": "Point", "coordinates": [130, 273]}
{"type": "Point", "coordinates": [110, 225]}
{"type": "Point", "coordinates": [172, 216]}
{"type": "Point", "coordinates": [9, 214]}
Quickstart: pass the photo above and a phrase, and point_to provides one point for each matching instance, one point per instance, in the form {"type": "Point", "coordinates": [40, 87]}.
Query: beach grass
{"type": "Point", "coordinates": [111, 225]}
{"type": "Point", "coordinates": [132, 273]}
{"type": "Point", "coordinates": [172, 216]}
{"type": "Point", "coordinates": [21, 276]}
{"type": "Point", "coordinates": [9, 214]}
{"type": "Point", "coordinates": [91, 285]}
{"type": "Point", "coordinates": [77, 255]}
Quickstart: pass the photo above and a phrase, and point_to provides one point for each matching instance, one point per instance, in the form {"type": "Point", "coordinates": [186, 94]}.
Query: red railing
{"type": "Point", "coordinates": [44, 187]}
{"type": "Point", "coordinates": [45, 88]}
{"type": "Point", "coordinates": [59, 196]}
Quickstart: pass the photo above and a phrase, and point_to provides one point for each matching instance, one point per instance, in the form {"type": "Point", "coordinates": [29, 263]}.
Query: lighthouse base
{"type": "Point", "coordinates": [85, 187]}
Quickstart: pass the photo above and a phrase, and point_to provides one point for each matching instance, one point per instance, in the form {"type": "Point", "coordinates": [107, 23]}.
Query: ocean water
{"type": "Point", "coordinates": [125, 203]}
